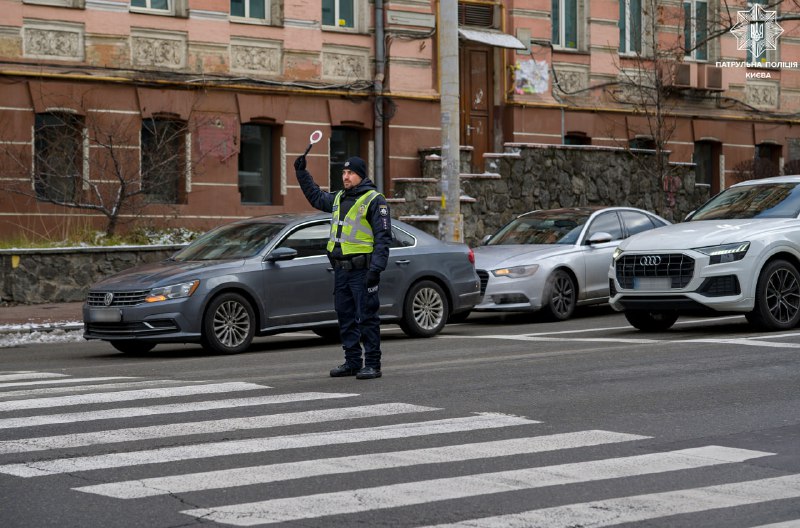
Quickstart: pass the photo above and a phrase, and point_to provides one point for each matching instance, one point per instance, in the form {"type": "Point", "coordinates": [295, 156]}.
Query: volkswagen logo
{"type": "Point", "coordinates": [108, 299]}
{"type": "Point", "coordinates": [650, 260]}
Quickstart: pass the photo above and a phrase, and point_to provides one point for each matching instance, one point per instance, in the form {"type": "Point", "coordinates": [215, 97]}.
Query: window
{"type": "Point", "coordinates": [630, 26]}
{"type": "Point", "coordinates": [565, 23]}
{"type": "Point", "coordinates": [636, 222]}
{"type": "Point", "coordinates": [401, 239]}
{"type": "Point", "coordinates": [249, 8]}
{"type": "Point", "coordinates": [58, 158]}
{"type": "Point", "coordinates": [255, 164]}
{"type": "Point", "coordinates": [605, 223]}
{"type": "Point", "coordinates": [339, 13]}
{"type": "Point", "coordinates": [577, 138]}
{"type": "Point", "coordinates": [152, 5]}
{"type": "Point", "coordinates": [695, 29]}
{"type": "Point", "coordinates": [163, 160]}
{"type": "Point", "coordinates": [309, 240]}
{"type": "Point", "coordinates": [706, 159]}
{"type": "Point", "coordinates": [642, 142]}
{"type": "Point", "coordinates": [345, 143]}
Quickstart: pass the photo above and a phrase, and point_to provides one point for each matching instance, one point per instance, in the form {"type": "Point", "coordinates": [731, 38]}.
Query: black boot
{"type": "Point", "coordinates": [368, 373]}
{"type": "Point", "coordinates": [344, 370]}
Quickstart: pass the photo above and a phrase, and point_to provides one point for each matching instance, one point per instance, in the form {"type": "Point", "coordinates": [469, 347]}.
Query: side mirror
{"type": "Point", "coordinates": [600, 237]}
{"type": "Point", "coordinates": [281, 253]}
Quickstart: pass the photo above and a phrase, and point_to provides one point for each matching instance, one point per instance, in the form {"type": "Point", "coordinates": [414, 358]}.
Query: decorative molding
{"type": "Point", "coordinates": [345, 63]}
{"type": "Point", "coordinates": [159, 49]}
{"type": "Point", "coordinates": [75, 4]}
{"type": "Point", "coordinates": [761, 94]}
{"type": "Point", "coordinates": [202, 14]}
{"type": "Point", "coordinates": [107, 5]}
{"type": "Point", "coordinates": [52, 40]}
{"type": "Point", "coordinates": [572, 77]}
{"type": "Point", "coordinates": [256, 55]}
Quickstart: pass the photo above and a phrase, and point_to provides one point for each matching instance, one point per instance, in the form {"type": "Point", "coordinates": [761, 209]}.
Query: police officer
{"type": "Point", "coordinates": [358, 249]}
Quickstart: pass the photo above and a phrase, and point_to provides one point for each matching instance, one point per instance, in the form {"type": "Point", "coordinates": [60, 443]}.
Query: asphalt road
{"type": "Point", "coordinates": [502, 421]}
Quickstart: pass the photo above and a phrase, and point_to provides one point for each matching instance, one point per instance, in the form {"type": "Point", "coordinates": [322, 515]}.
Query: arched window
{"type": "Point", "coordinates": [58, 156]}
{"type": "Point", "coordinates": [164, 158]}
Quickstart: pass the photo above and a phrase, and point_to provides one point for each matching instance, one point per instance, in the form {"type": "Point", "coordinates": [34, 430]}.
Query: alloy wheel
{"type": "Point", "coordinates": [231, 324]}
{"type": "Point", "coordinates": [428, 308]}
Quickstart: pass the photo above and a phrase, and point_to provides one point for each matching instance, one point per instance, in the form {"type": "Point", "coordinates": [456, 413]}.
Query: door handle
{"type": "Point", "coordinates": [402, 262]}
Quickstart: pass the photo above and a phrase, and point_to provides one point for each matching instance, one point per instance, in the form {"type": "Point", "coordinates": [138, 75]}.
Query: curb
{"type": "Point", "coordinates": [30, 328]}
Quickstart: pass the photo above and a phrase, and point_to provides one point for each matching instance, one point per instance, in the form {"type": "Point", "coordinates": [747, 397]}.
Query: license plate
{"type": "Point", "coordinates": [652, 283]}
{"type": "Point", "coordinates": [105, 315]}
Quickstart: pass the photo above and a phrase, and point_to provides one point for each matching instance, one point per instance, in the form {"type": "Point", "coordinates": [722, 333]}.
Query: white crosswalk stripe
{"type": "Point", "coordinates": [172, 408]}
{"type": "Point", "coordinates": [24, 445]}
{"type": "Point", "coordinates": [425, 491]}
{"type": "Point", "coordinates": [60, 381]}
{"type": "Point", "coordinates": [329, 466]}
{"type": "Point", "coordinates": [141, 394]}
{"type": "Point", "coordinates": [645, 507]}
{"type": "Point", "coordinates": [221, 467]}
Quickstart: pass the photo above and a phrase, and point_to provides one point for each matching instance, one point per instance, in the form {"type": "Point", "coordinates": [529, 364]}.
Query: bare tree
{"type": "Point", "coordinates": [114, 164]}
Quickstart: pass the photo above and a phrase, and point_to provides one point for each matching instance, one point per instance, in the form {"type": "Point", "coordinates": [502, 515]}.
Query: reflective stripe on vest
{"type": "Point", "coordinates": [356, 236]}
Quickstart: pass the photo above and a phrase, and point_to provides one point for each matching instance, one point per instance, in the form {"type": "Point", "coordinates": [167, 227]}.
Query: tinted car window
{"type": "Point", "coordinates": [606, 223]}
{"type": "Point", "coordinates": [637, 222]}
{"type": "Point", "coordinates": [401, 238]}
{"type": "Point", "coordinates": [309, 240]}
{"type": "Point", "coordinates": [542, 227]}
{"type": "Point", "coordinates": [775, 200]}
{"type": "Point", "coordinates": [232, 241]}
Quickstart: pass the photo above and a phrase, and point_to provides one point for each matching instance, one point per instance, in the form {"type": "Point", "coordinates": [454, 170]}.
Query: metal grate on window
{"type": "Point", "coordinates": [477, 15]}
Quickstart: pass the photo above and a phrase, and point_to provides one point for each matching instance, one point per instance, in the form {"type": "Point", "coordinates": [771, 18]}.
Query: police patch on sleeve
{"type": "Point", "coordinates": [384, 210]}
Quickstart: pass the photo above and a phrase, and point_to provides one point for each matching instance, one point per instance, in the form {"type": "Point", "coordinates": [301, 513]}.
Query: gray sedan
{"type": "Point", "coordinates": [554, 260]}
{"type": "Point", "coordinates": [268, 275]}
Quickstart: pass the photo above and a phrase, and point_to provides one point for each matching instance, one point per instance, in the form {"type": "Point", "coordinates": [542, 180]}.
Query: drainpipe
{"type": "Point", "coordinates": [380, 68]}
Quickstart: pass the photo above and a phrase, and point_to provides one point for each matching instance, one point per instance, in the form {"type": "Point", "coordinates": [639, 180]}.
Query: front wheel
{"type": "Point", "coordinates": [777, 297]}
{"type": "Point", "coordinates": [133, 346]}
{"type": "Point", "coordinates": [647, 321]}
{"type": "Point", "coordinates": [425, 310]}
{"type": "Point", "coordinates": [228, 324]}
{"type": "Point", "coordinates": [562, 296]}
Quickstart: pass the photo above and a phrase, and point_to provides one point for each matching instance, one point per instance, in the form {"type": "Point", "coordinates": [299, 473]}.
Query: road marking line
{"type": "Point", "coordinates": [26, 445]}
{"type": "Point", "coordinates": [612, 512]}
{"type": "Point", "coordinates": [142, 394]}
{"type": "Point", "coordinates": [426, 491]}
{"type": "Point", "coordinates": [529, 337]}
{"type": "Point", "coordinates": [747, 341]}
{"type": "Point", "coordinates": [246, 476]}
{"type": "Point", "coordinates": [261, 445]}
{"type": "Point", "coordinates": [59, 391]}
{"type": "Point", "coordinates": [61, 381]}
{"type": "Point", "coordinates": [29, 375]}
{"type": "Point", "coordinates": [787, 524]}
{"type": "Point", "coordinates": [173, 408]}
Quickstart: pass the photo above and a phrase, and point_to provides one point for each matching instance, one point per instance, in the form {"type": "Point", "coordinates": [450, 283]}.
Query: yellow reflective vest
{"type": "Point", "coordinates": [356, 236]}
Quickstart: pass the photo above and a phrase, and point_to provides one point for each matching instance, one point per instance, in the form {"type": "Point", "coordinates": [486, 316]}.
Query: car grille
{"type": "Point", "coordinates": [483, 275]}
{"type": "Point", "coordinates": [676, 266]}
{"type": "Point", "coordinates": [121, 298]}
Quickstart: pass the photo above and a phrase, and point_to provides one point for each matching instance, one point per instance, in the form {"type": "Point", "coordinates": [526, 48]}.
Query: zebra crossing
{"type": "Point", "coordinates": [31, 402]}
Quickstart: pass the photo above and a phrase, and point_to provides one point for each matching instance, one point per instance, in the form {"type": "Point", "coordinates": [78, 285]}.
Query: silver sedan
{"type": "Point", "coordinates": [267, 275]}
{"type": "Point", "coordinates": [555, 260]}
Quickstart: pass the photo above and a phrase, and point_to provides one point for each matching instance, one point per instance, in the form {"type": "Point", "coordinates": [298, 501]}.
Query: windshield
{"type": "Point", "coordinates": [232, 241]}
{"type": "Point", "coordinates": [773, 200]}
{"type": "Point", "coordinates": [542, 227]}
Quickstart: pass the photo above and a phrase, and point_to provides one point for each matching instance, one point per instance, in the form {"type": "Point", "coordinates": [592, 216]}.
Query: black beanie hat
{"type": "Point", "coordinates": [357, 165]}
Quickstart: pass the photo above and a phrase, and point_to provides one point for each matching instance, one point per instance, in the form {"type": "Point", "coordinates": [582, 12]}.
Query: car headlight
{"type": "Point", "coordinates": [174, 291]}
{"type": "Point", "coordinates": [516, 272]}
{"type": "Point", "coordinates": [725, 252]}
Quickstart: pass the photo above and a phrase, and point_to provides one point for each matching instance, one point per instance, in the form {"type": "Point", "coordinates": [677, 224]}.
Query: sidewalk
{"type": "Point", "coordinates": [22, 318]}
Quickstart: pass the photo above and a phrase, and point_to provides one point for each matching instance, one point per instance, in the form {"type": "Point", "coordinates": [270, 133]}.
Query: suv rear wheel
{"type": "Point", "coordinates": [777, 297]}
{"type": "Point", "coordinates": [648, 321]}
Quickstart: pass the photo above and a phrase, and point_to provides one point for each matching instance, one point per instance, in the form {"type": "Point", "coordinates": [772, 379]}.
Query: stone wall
{"type": "Point", "coordinates": [31, 276]}
{"type": "Point", "coordinates": [527, 177]}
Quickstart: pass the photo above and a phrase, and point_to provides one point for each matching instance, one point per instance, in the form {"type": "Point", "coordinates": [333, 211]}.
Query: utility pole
{"type": "Point", "coordinates": [451, 221]}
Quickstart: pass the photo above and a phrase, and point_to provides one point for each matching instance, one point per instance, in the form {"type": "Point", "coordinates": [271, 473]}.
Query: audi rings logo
{"type": "Point", "coordinates": [108, 299]}
{"type": "Point", "coordinates": [650, 260]}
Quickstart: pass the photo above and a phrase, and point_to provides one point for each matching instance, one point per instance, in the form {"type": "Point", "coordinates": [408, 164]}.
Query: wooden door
{"type": "Point", "coordinates": [477, 101]}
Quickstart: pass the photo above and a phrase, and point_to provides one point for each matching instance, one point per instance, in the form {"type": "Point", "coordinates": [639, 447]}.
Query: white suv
{"type": "Point", "coordinates": [737, 253]}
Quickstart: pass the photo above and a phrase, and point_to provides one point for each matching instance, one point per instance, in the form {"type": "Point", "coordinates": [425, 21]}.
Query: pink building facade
{"type": "Point", "coordinates": [218, 97]}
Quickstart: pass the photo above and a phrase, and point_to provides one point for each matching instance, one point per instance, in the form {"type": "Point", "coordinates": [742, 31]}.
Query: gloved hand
{"type": "Point", "coordinates": [300, 163]}
{"type": "Point", "coordinates": [373, 278]}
